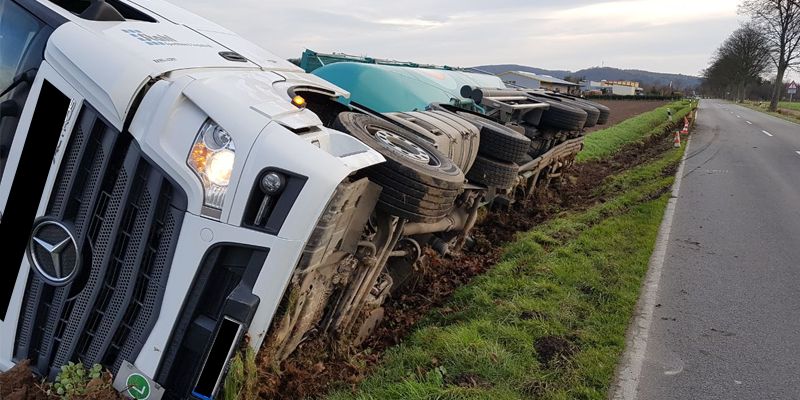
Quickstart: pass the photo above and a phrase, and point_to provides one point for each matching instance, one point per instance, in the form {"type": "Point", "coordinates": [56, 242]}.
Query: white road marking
{"type": "Point", "coordinates": [798, 153]}
{"type": "Point", "coordinates": [626, 384]}
{"type": "Point", "coordinates": [767, 133]}
{"type": "Point", "coordinates": [749, 123]}
{"type": "Point", "coordinates": [738, 116]}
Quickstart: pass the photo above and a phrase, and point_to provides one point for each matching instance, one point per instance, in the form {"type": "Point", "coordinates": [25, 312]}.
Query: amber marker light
{"type": "Point", "coordinates": [299, 102]}
{"type": "Point", "coordinates": [199, 156]}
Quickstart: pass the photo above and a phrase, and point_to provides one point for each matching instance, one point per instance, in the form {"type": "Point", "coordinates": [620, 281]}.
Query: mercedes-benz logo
{"type": "Point", "coordinates": [53, 252]}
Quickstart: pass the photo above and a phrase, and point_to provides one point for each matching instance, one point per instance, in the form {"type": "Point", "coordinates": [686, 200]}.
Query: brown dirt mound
{"type": "Point", "coordinates": [469, 380]}
{"type": "Point", "coordinates": [19, 383]}
{"type": "Point", "coordinates": [551, 349]}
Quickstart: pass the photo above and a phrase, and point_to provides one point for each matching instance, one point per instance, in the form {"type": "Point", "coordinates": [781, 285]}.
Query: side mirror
{"type": "Point", "coordinates": [9, 108]}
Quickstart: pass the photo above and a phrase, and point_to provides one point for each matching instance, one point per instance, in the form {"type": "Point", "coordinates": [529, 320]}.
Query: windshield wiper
{"type": "Point", "coordinates": [27, 76]}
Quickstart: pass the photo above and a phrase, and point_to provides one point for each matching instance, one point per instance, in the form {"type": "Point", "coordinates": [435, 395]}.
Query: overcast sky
{"type": "Point", "coordinates": [657, 35]}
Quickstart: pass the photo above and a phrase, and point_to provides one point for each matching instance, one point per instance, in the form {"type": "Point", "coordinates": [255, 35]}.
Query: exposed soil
{"type": "Point", "coordinates": [470, 381]}
{"type": "Point", "coordinates": [552, 349]}
{"type": "Point", "coordinates": [314, 370]}
{"type": "Point", "coordinates": [19, 383]}
{"type": "Point", "coordinates": [624, 109]}
{"type": "Point", "coordinates": [790, 113]}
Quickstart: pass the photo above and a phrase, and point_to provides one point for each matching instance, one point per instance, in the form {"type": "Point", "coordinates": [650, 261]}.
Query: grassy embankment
{"type": "Point", "coordinates": [793, 114]}
{"type": "Point", "coordinates": [549, 320]}
{"type": "Point", "coordinates": [605, 143]}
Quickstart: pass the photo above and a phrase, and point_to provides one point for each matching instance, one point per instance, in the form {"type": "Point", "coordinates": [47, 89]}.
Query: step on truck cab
{"type": "Point", "coordinates": [159, 184]}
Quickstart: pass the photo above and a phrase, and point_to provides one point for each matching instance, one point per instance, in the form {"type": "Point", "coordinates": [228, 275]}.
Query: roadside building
{"type": "Point", "coordinates": [618, 88]}
{"type": "Point", "coordinates": [533, 81]}
{"type": "Point", "coordinates": [623, 83]}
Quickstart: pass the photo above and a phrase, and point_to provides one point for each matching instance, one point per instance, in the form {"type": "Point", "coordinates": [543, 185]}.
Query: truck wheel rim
{"type": "Point", "coordinates": [403, 146]}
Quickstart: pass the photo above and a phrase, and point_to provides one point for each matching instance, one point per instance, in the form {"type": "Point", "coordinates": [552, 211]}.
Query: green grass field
{"type": "Point", "coordinates": [549, 320]}
{"type": "Point", "coordinates": [607, 142]}
{"type": "Point", "coordinates": [789, 106]}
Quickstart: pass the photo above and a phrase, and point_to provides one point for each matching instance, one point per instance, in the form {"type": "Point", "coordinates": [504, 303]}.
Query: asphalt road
{"type": "Point", "coordinates": [727, 320]}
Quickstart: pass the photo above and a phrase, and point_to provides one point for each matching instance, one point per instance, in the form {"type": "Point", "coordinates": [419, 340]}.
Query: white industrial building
{"type": "Point", "coordinates": [533, 81]}
{"type": "Point", "coordinates": [611, 87]}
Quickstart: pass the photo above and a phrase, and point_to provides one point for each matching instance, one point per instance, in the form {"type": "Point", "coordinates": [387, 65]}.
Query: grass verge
{"type": "Point", "coordinates": [789, 106]}
{"type": "Point", "coordinates": [549, 320]}
{"type": "Point", "coordinates": [764, 108]}
{"type": "Point", "coordinates": [607, 142]}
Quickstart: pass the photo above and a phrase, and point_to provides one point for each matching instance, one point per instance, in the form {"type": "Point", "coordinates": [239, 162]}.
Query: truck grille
{"type": "Point", "coordinates": [126, 215]}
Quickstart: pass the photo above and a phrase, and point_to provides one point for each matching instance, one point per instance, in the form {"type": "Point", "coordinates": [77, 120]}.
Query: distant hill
{"type": "Point", "coordinates": [497, 69]}
{"type": "Point", "coordinates": [646, 78]}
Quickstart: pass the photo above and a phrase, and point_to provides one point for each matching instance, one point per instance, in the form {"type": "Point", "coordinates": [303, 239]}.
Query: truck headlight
{"type": "Point", "coordinates": [212, 158]}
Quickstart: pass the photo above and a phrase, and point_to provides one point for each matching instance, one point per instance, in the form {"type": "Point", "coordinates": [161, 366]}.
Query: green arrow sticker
{"type": "Point", "coordinates": [138, 386]}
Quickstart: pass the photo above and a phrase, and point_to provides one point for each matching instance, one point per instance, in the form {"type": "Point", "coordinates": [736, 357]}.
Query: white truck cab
{"type": "Point", "coordinates": [158, 188]}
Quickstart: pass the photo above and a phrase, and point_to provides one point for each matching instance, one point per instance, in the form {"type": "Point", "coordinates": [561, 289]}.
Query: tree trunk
{"type": "Point", "coordinates": [777, 91]}
{"type": "Point", "coordinates": [741, 92]}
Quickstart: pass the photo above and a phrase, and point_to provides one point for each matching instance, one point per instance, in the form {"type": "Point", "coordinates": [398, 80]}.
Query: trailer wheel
{"type": "Point", "coordinates": [605, 112]}
{"type": "Point", "coordinates": [593, 113]}
{"type": "Point", "coordinates": [494, 173]}
{"type": "Point", "coordinates": [420, 184]}
{"type": "Point", "coordinates": [498, 141]}
{"type": "Point", "coordinates": [561, 115]}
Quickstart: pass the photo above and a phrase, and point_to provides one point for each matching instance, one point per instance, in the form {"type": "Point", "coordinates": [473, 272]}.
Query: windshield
{"type": "Point", "coordinates": [17, 30]}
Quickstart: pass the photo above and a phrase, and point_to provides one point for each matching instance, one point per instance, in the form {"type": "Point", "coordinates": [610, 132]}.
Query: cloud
{"type": "Point", "coordinates": [669, 36]}
{"type": "Point", "coordinates": [649, 12]}
{"type": "Point", "coordinates": [414, 23]}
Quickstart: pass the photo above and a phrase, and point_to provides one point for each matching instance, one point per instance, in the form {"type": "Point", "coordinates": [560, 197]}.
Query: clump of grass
{"type": "Point", "coordinates": [609, 141]}
{"type": "Point", "coordinates": [76, 381]}
{"type": "Point", "coordinates": [241, 383]}
{"type": "Point", "coordinates": [549, 320]}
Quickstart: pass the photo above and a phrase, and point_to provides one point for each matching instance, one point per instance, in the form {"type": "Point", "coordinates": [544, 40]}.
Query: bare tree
{"type": "Point", "coordinates": [779, 21]}
{"type": "Point", "coordinates": [739, 63]}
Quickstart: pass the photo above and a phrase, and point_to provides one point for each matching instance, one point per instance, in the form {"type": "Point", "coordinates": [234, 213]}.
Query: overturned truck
{"type": "Point", "coordinates": [170, 192]}
{"type": "Point", "coordinates": [507, 142]}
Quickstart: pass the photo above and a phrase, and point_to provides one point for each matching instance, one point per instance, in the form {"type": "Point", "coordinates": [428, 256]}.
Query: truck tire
{"type": "Point", "coordinates": [420, 184]}
{"type": "Point", "coordinates": [593, 113]}
{"type": "Point", "coordinates": [561, 115]}
{"type": "Point", "coordinates": [453, 136]}
{"type": "Point", "coordinates": [498, 141]}
{"type": "Point", "coordinates": [605, 113]}
{"type": "Point", "coordinates": [493, 173]}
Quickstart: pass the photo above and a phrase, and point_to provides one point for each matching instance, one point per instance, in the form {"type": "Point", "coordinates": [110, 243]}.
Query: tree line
{"type": "Point", "coordinates": [752, 63]}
